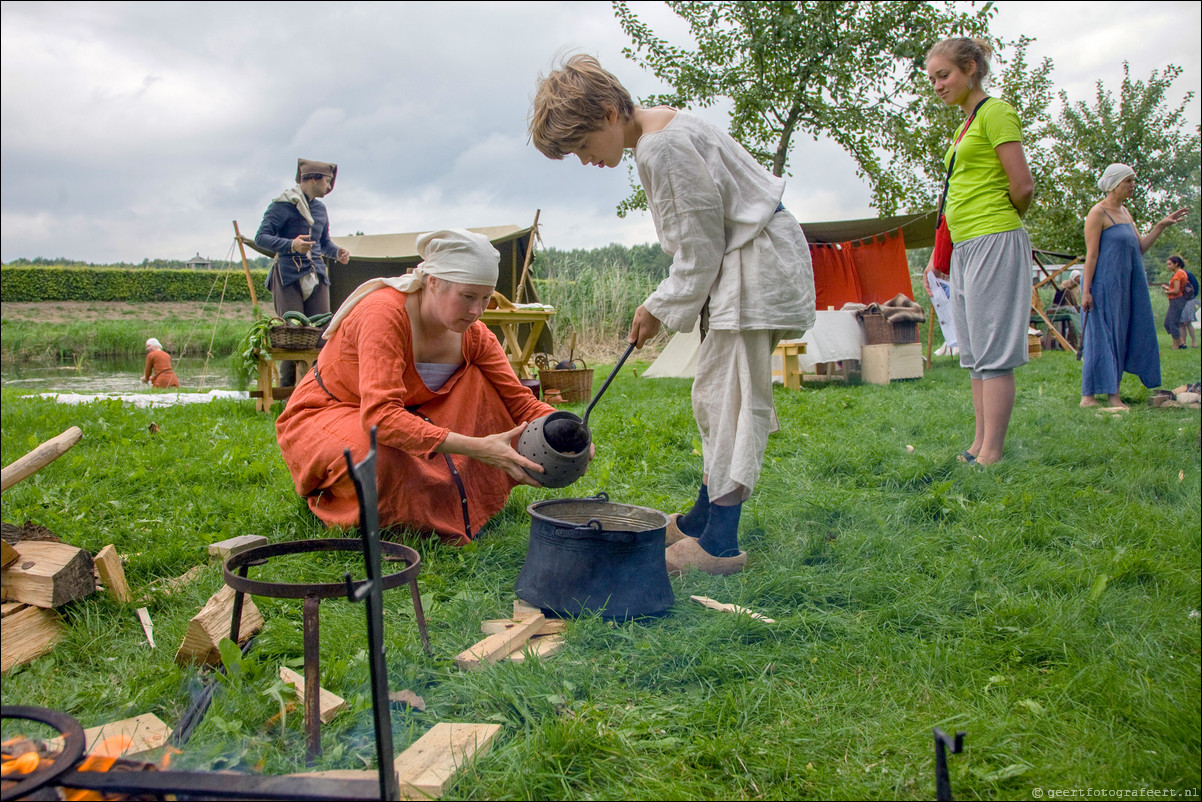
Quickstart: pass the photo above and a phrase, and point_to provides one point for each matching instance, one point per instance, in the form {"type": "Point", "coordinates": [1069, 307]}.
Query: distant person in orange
{"type": "Point", "coordinates": [158, 366]}
{"type": "Point", "coordinates": [409, 356]}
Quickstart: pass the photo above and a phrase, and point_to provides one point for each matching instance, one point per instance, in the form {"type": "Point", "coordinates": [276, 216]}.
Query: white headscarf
{"type": "Point", "coordinates": [153, 343]}
{"type": "Point", "coordinates": [1114, 175]}
{"type": "Point", "coordinates": [453, 254]}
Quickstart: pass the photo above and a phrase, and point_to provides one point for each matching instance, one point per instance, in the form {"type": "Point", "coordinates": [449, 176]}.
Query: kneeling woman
{"type": "Point", "coordinates": [410, 356]}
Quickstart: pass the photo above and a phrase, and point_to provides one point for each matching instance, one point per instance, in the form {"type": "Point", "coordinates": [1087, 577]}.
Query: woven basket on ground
{"type": "Point", "coordinates": [295, 338]}
{"type": "Point", "coordinates": [573, 385]}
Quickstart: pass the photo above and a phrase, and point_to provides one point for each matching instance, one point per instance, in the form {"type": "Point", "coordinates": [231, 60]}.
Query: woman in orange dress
{"type": "Point", "coordinates": [409, 356]}
{"type": "Point", "coordinates": [158, 366]}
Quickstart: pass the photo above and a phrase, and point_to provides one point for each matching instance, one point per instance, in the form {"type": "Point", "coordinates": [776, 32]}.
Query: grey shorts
{"type": "Point", "coordinates": [991, 302]}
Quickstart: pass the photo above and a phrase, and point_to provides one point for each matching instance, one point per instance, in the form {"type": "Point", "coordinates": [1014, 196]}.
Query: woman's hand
{"type": "Point", "coordinates": [1174, 218]}
{"type": "Point", "coordinates": [302, 244]}
{"type": "Point", "coordinates": [495, 450]}
{"type": "Point", "coordinates": [1086, 301]}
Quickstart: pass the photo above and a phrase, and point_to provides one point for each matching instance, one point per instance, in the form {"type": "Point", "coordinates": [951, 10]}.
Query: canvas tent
{"type": "Point", "coordinates": [855, 261]}
{"type": "Point", "coordinates": [383, 255]}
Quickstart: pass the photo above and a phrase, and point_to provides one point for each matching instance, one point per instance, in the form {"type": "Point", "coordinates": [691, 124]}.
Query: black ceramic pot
{"type": "Point", "coordinates": [590, 555]}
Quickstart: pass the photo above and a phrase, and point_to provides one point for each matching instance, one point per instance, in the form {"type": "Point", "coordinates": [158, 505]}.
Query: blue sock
{"type": "Point", "coordinates": [721, 535]}
{"type": "Point", "coordinates": [693, 522]}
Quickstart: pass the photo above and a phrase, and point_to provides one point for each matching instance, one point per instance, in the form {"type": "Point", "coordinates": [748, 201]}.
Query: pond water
{"type": "Point", "coordinates": [111, 375]}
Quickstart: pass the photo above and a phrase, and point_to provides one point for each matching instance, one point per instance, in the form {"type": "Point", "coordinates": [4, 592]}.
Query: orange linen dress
{"type": "Point", "coordinates": [158, 365]}
{"type": "Point", "coordinates": [370, 380]}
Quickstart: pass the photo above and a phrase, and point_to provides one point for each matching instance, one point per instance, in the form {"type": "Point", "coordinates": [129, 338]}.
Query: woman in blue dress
{"type": "Point", "coordinates": [1120, 334]}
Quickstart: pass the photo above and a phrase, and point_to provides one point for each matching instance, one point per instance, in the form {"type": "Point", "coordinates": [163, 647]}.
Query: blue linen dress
{"type": "Point", "coordinates": [1120, 334]}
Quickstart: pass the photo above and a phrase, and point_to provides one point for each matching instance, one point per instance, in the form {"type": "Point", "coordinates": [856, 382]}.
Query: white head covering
{"type": "Point", "coordinates": [153, 343]}
{"type": "Point", "coordinates": [1114, 175]}
{"type": "Point", "coordinates": [453, 254]}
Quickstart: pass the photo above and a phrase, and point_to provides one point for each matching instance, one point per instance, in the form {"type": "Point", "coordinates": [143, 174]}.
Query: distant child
{"type": "Point", "coordinates": [740, 263]}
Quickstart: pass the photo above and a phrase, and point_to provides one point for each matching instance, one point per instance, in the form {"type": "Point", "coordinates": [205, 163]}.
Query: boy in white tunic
{"type": "Point", "coordinates": [740, 264]}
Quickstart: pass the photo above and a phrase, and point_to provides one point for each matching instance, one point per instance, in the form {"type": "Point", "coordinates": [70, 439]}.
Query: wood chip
{"type": "Point", "coordinates": [147, 626]}
{"type": "Point", "coordinates": [329, 704]}
{"type": "Point", "coordinates": [730, 608]}
{"type": "Point", "coordinates": [406, 698]}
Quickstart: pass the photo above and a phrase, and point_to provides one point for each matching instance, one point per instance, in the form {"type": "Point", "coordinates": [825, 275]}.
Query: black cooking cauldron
{"type": "Point", "coordinates": [588, 554]}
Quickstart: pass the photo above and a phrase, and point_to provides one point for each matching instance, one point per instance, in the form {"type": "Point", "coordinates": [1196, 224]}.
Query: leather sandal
{"type": "Point", "coordinates": [687, 553]}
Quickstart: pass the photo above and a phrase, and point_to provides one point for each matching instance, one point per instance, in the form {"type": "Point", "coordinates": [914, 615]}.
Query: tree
{"type": "Point", "coordinates": [833, 68]}
{"type": "Point", "coordinates": [1141, 131]}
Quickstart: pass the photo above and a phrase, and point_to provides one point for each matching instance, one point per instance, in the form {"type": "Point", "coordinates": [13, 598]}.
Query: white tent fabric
{"type": "Point", "coordinates": [678, 360]}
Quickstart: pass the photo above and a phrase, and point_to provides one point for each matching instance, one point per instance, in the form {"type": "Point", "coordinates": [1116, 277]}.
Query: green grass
{"type": "Point", "coordinates": [1047, 605]}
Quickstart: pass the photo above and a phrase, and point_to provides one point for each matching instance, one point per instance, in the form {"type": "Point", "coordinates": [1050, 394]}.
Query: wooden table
{"type": "Point", "coordinates": [269, 375]}
{"type": "Point", "coordinates": [518, 351]}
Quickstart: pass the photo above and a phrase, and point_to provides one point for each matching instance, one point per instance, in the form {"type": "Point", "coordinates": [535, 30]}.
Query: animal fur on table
{"type": "Point", "coordinates": [898, 309]}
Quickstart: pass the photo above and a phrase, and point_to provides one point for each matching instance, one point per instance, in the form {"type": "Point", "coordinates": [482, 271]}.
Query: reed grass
{"type": "Point", "coordinates": [1047, 605]}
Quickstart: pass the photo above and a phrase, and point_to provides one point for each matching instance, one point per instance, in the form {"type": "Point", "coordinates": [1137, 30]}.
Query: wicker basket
{"type": "Point", "coordinates": [573, 385]}
{"type": "Point", "coordinates": [295, 338]}
{"type": "Point", "coordinates": [879, 331]}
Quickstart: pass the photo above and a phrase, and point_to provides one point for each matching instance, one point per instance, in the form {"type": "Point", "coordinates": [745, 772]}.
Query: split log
{"type": "Point", "coordinates": [552, 626]}
{"type": "Point", "coordinates": [212, 623]}
{"type": "Point", "coordinates": [135, 736]}
{"type": "Point", "coordinates": [522, 610]}
{"type": "Point", "coordinates": [29, 632]}
{"type": "Point", "coordinates": [225, 549]}
{"type": "Point", "coordinates": [429, 767]}
{"type": "Point", "coordinates": [169, 586]}
{"type": "Point", "coordinates": [8, 555]}
{"type": "Point", "coordinates": [39, 458]}
{"type": "Point", "coordinates": [537, 647]}
{"type": "Point", "coordinates": [112, 574]}
{"type": "Point", "coordinates": [495, 647]}
{"type": "Point", "coordinates": [328, 704]}
{"type": "Point", "coordinates": [47, 574]}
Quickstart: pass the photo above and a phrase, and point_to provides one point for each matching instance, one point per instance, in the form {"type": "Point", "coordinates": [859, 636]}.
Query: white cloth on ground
{"type": "Point", "coordinates": [711, 202]}
{"type": "Point", "coordinates": [732, 403]}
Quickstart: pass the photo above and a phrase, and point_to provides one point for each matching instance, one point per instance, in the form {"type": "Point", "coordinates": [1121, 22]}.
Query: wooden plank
{"type": "Point", "coordinates": [225, 549]}
{"type": "Point", "coordinates": [212, 623]}
{"type": "Point", "coordinates": [494, 647]}
{"type": "Point", "coordinates": [537, 647]}
{"type": "Point", "coordinates": [127, 738]}
{"type": "Point", "coordinates": [552, 626]}
{"type": "Point", "coordinates": [705, 601]}
{"type": "Point", "coordinates": [47, 574]}
{"type": "Point", "coordinates": [8, 555]}
{"type": "Point", "coordinates": [39, 458]}
{"type": "Point", "coordinates": [329, 704]}
{"type": "Point", "coordinates": [112, 574]}
{"type": "Point", "coordinates": [169, 586]}
{"type": "Point", "coordinates": [29, 632]}
{"type": "Point", "coordinates": [428, 768]}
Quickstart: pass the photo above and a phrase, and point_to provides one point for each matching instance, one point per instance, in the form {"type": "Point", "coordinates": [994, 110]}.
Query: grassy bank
{"type": "Point", "coordinates": [1047, 606]}
{"type": "Point", "coordinates": [67, 332]}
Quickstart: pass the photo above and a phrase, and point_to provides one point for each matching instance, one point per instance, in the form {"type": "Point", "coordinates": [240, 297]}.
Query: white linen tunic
{"type": "Point", "coordinates": [711, 203]}
{"type": "Point", "coordinates": [717, 213]}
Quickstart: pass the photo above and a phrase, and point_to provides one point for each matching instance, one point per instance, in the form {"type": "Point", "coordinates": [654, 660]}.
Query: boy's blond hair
{"type": "Point", "coordinates": [572, 102]}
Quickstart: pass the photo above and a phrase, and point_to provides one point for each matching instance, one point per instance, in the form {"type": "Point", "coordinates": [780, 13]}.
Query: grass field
{"type": "Point", "coordinates": [1047, 606]}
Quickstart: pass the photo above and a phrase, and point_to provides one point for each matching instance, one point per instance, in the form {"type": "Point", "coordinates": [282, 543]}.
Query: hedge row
{"type": "Point", "coordinates": [28, 284]}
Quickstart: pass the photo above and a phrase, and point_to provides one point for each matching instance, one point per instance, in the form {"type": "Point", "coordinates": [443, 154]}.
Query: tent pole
{"type": "Point", "coordinates": [250, 284]}
{"type": "Point", "coordinates": [930, 333]}
{"type": "Point", "coordinates": [521, 288]}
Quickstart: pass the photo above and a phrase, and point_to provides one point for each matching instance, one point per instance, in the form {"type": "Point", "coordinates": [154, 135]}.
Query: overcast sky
{"type": "Point", "coordinates": [134, 130]}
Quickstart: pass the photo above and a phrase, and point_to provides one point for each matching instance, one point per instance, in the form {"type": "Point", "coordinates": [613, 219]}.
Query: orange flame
{"type": "Point", "coordinates": [25, 764]}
